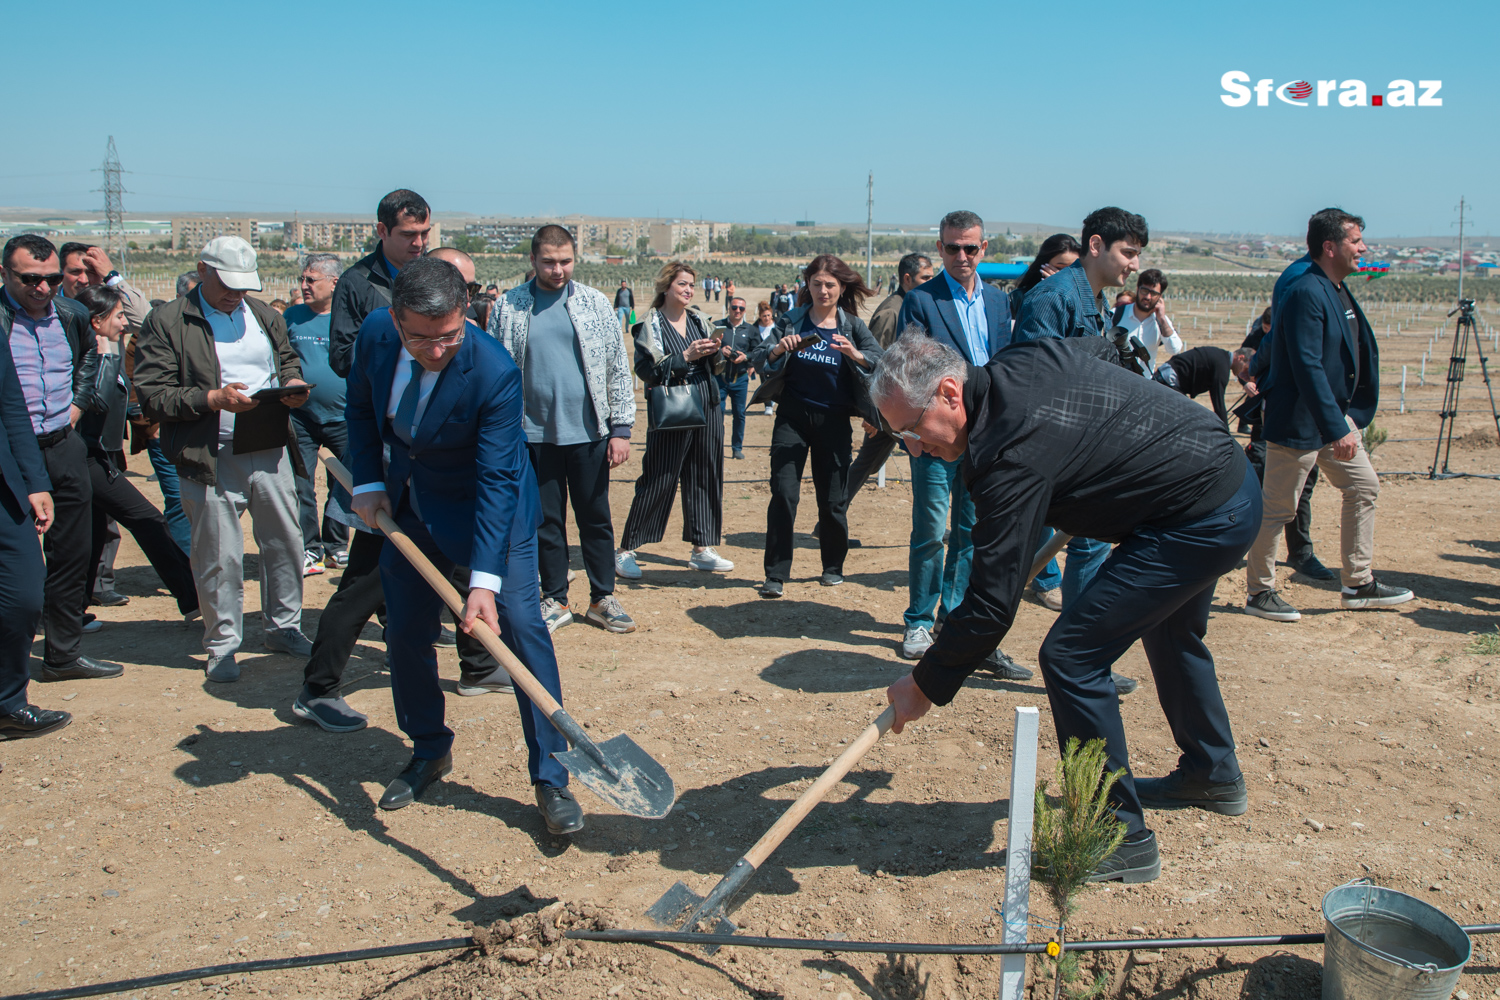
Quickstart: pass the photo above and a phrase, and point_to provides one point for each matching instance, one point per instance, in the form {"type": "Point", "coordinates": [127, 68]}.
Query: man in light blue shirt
{"type": "Point", "coordinates": [969, 302]}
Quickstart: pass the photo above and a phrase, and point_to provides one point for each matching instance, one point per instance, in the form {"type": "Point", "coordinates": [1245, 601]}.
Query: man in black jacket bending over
{"type": "Point", "coordinates": [1053, 435]}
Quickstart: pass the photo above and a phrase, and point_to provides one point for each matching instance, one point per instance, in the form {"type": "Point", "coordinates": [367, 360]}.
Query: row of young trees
{"type": "Point", "coordinates": [848, 243]}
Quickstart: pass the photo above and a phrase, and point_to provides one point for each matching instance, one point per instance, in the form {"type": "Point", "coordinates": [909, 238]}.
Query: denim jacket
{"type": "Point", "coordinates": [1063, 305]}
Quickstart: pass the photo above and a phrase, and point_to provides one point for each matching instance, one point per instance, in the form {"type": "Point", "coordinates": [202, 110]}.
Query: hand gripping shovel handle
{"type": "Point", "coordinates": [717, 902]}
{"type": "Point", "coordinates": [539, 695]}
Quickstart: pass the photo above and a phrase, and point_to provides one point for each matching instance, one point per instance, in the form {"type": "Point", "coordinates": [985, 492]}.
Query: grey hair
{"type": "Point", "coordinates": [328, 263]}
{"type": "Point", "coordinates": [959, 221]}
{"type": "Point", "coordinates": [912, 367]}
{"type": "Point", "coordinates": [185, 282]}
{"type": "Point", "coordinates": [429, 286]}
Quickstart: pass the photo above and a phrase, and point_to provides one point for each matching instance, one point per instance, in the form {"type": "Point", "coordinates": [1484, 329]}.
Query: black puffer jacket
{"type": "Point", "coordinates": [362, 289]}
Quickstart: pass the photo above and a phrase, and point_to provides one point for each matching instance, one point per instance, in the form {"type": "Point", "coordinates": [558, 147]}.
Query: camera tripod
{"type": "Point", "coordinates": [1463, 330]}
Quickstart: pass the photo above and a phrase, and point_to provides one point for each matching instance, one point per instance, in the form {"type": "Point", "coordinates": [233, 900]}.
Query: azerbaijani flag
{"type": "Point", "coordinates": [1374, 269]}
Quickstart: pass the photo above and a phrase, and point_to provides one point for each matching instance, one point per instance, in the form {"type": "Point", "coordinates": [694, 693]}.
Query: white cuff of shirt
{"type": "Point", "coordinates": [369, 488]}
{"type": "Point", "coordinates": [483, 581]}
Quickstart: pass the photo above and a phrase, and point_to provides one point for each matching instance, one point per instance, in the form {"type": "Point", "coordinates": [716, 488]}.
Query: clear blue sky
{"type": "Point", "coordinates": [756, 110]}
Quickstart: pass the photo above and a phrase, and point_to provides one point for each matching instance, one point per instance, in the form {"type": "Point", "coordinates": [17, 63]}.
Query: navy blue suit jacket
{"type": "Point", "coordinates": [468, 460]}
{"type": "Point", "coordinates": [931, 304]}
{"type": "Point", "coordinates": [20, 458]}
{"type": "Point", "coordinates": [1312, 383]}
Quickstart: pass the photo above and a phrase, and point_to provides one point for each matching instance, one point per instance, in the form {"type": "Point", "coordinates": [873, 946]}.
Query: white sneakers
{"type": "Point", "coordinates": [915, 642]}
{"type": "Point", "coordinates": [710, 561]}
{"type": "Point", "coordinates": [626, 566]}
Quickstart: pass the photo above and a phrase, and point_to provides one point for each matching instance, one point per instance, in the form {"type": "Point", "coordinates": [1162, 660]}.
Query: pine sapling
{"type": "Point", "coordinates": [1071, 840]}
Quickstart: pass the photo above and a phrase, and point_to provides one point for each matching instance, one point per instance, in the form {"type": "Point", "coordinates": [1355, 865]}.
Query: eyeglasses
{"type": "Point", "coordinates": [909, 433]}
{"type": "Point", "coordinates": [313, 279]}
{"type": "Point", "coordinates": [32, 280]}
{"type": "Point", "coordinates": [968, 249]}
{"type": "Point", "coordinates": [422, 343]}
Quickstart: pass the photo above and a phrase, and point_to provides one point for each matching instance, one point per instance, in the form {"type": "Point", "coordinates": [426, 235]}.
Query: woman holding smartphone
{"type": "Point", "coordinates": [818, 368]}
{"type": "Point", "coordinates": [675, 344]}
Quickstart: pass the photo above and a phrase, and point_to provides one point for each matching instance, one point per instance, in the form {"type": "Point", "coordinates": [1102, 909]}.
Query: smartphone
{"type": "Point", "coordinates": [279, 393]}
{"type": "Point", "coordinates": [808, 339]}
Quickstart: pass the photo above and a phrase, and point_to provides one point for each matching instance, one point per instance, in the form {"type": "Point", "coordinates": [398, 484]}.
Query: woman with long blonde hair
{"type": "Point", "coordinates": [674, 346]}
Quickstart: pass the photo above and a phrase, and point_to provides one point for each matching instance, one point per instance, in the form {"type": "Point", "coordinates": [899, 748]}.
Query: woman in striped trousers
{"type": "Point", "coordinates": [673, 345]}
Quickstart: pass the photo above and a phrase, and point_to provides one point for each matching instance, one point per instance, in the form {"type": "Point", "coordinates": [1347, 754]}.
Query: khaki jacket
{"type": "Point", "coordinates": [177, 365]}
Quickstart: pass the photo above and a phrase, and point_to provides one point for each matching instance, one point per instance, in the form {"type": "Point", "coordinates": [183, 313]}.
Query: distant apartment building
{"type": "Point", "coordinates": [321, 235]}
{"type": "Point", "coordinates": [690, 239]}
{"type": "Point", "coordinates": [191, 234]}
{"type": "Point", "coordinates": [504, 235]}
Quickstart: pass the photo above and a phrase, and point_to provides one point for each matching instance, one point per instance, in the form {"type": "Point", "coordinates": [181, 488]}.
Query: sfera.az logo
{"type": "Point", "coordinates": [1351, 93]}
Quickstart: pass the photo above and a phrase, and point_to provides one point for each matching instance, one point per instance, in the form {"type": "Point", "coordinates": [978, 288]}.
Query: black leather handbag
{"type": "Point", "coordinates": [674, 408]}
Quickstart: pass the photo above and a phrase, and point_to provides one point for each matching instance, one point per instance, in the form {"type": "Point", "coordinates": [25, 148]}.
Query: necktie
{"type": "Point", "coordinates": [406, 410]}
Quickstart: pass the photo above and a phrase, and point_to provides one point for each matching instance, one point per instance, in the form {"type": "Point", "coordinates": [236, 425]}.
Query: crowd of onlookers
{"type": "Point", "coordinates": [233, 397]}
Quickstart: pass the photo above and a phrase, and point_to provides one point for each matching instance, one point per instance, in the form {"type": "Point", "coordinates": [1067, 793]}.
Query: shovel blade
{"type": "Point", "coordinates": [677, 905]}
{"type": "Point", "coordinates": [642, 787]}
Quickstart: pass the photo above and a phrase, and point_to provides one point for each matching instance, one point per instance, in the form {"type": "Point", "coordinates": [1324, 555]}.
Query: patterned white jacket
{"type": "Point", "coordinates": [606, 368]}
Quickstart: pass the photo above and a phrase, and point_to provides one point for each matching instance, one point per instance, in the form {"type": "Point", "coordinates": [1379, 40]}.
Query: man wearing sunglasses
{"type": "Point", "coordinates": [961, 312]}
{"type": "Point", "coordinates": [53, 348]}
{"type": "Point", "coordinates": [739, 339]}
{"type": "Point", "coordinates": [436, 442]}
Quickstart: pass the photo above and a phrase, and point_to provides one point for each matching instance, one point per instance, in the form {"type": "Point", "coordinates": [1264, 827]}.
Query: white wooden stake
{"type": "Point", "coordinates": [1403, 388]}
{"type": "Point", "coordinates": [1016, 915]}
{"type": "Point", "coordinates": [880, 479]}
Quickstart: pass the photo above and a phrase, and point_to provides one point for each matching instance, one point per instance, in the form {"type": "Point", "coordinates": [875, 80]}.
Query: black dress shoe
{"type": "Point", "coordinates": [1123, 684]}
{"type": "Point", "coordinates": [29, 720]}
{"type": "Point", "coordinates": [81, 669]}
{"type": "Point", "coordinates": [1005, 668]}
{"type": "Point", "coordinates": [412, 782]}
{"type": "Point", "coordinates": [1182, 791]}
{"type": "Point", "coordinates": [1133, 861]}
{"type": "Point", "coordinates": [1311, 568]}
{"type": "Point", "coordinates": [109, 599]}
{"type": "Point", "coordinates": [561, 811]}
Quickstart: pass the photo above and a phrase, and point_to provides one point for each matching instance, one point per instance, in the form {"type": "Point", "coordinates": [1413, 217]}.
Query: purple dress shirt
{"type": "Point", "coordinates": [44, 364]}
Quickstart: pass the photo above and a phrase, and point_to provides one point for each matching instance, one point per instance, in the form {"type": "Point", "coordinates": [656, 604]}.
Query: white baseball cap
{"type": "Point", "coordinates": [234, 260]}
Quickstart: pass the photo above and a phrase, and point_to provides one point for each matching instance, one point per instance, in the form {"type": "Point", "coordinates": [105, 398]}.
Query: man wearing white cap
{"type": "Point", "coordinates": [200, 361]}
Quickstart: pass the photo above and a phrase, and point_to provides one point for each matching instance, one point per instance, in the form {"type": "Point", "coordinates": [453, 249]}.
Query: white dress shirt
{"type": "Point", "coordinates": [1150, 333]}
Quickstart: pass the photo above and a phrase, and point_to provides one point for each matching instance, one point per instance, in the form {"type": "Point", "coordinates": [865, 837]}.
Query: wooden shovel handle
{"type": "Point", "coordinates": [783, 827]}
{"type": "Point", "coordinates": [528, 683]}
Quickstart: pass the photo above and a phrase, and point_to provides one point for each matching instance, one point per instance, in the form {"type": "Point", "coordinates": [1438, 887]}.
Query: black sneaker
{"type": "Point", "coordinates": [1179, 791]}
{"type": "Point", "coordinates": [830, 578]}
{"type": "Point", "coordinates": [1268, 605]}
{"type": "Point", "coordinates": [1310, 567]}
{"type": "Point", "coordinates": [771, 588]}
{"type": "Point", "coordinates": [1005, 668]}
{"type": "Point", "coordinates": [1123, 685]}
{"type": "Point", "coordinates": [1133, 861]}
{"type": "Point", "coordinates": [109, 599]}
{"type": "Point", "coordinates": [1374, 595]}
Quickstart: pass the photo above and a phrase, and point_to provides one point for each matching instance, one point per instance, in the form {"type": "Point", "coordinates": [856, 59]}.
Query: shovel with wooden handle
{"type": "Point", "coordinates": [681, 907]}
{"type": "Point", "coordinates": [617, 770]}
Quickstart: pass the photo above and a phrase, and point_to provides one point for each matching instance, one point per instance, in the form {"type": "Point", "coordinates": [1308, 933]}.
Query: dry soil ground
{"type": "Point", "coordinates": [178, 824]}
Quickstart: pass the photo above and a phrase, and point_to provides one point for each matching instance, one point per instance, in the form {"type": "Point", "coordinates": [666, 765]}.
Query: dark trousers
{"type": "Point", "coordinates": [581, 470]}
{"type": "Point", "coordinates": [874, 452]}
{"type": "Point", "coordinates": [67, 546]}
{"type": "Point", "coordinates": [736, 393]}
{"type": "Point", "coordinates": [22, 577]}
{"type": "Point", "coordinates": [413, 628]}
{"type": "Point", "coordinates": [696, 459]}
{"type": "Point", "coordinates": [361, 596]}
{"type": "Point", "coordinates": [104, 569]}
{"type": "Point", "coordinates": [115, 497]}
{"type": "Point", "coordinates": [1157, 586]}
{"type": "Point", "coordinates": [1298, 531]}
{"type": "Point", "coordinates": [801, 429]}
{"type": "Point", "coordinates": [329, 535]}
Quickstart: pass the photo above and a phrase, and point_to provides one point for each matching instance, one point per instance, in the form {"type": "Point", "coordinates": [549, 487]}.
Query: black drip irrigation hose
{"type": "Point", "coordinates": [918, 948]}
{"type": "Point", "coordinates": [680, 937]}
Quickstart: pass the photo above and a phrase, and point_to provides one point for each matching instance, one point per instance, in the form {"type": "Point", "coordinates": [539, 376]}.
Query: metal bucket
{"type": "Point", "coordinates": [1386, 945]}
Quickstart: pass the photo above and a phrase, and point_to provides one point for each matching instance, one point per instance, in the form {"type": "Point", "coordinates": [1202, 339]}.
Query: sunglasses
{"type": "Point", "coordinates": [33, 280]}
{"type": "Point", "coordinates": [736, 309]}
{"type": "Point", "coordinates": [474, 287]}
{"type": "Point", "coordinates": [954, 249]}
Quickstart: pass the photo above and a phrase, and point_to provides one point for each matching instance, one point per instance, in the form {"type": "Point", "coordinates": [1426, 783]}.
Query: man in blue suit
{"type": "Point", "coordinates": [436, 441]}
{"type": "Point", "coordinates": [1321, 392]}
{"type": "Point", "coordinates": [25, 513]}
{"type": "Point", "coordinates": [959, 311]}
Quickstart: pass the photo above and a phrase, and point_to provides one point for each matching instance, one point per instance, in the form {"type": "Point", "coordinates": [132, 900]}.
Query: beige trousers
{"type": "Point", "coordinates": [1286, 471]}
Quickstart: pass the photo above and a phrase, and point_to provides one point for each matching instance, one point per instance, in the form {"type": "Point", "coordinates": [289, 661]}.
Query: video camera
{"type": "Point", "coordinates": [1465, 306]}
